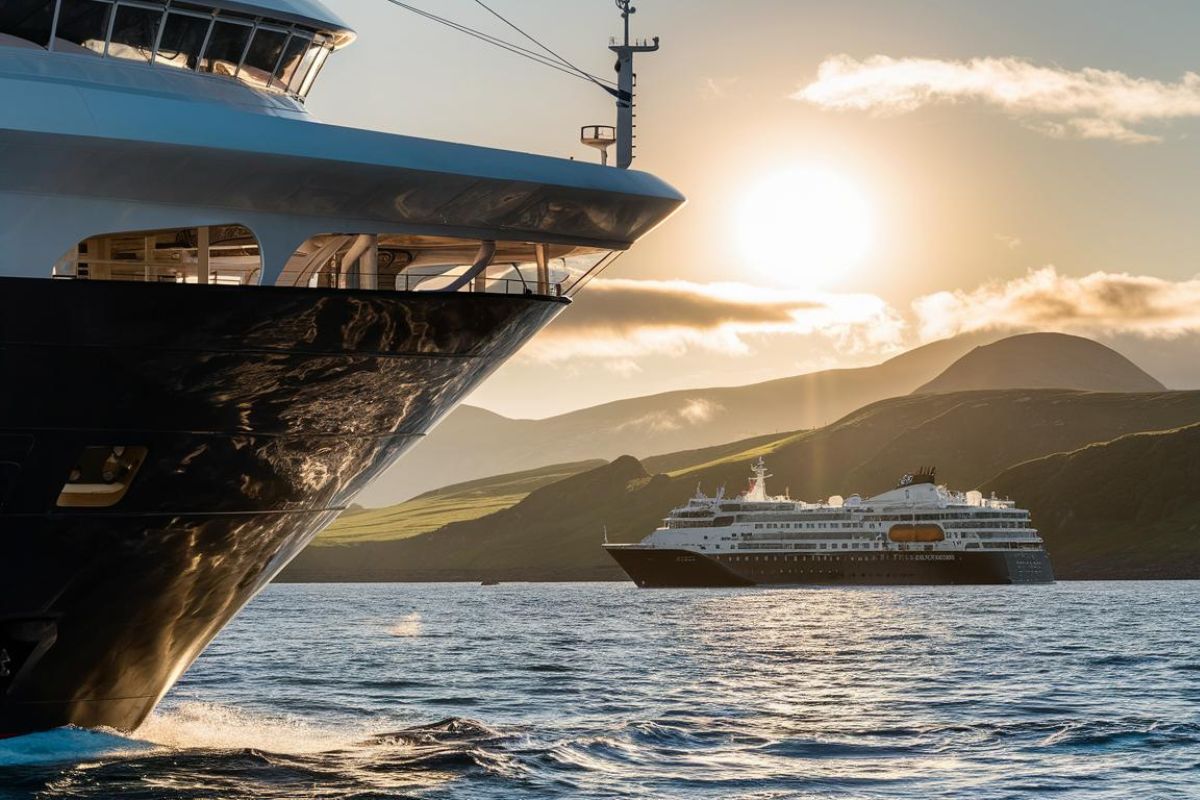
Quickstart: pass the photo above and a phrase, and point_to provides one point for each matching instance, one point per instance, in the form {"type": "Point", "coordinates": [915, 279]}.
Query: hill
{"type": "Point", "coordinates": [1043, 361]}
{"type": "Point", "coordinates": [550, 535]}
{"type": "Point", "coordinates": [554, 533]}
{"type": "Point", "coordinates": [436, 509]}
{"type": "Point", "coordinates": [1126, 508]}
{"type": "Point", "coordinates": [661, 423]}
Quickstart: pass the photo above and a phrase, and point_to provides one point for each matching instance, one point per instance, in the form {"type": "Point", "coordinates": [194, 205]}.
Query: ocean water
{"type": "Point", "coordinates": [1087, 690]}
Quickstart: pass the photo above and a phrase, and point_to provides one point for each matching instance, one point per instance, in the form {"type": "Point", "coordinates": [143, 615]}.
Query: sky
{"type": "Point", "coordinates": [862, 177]}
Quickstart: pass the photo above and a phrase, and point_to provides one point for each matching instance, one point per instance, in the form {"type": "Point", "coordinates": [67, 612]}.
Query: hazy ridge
{"type": "Point", "coordinates": [547, 524]}
{"type": "Point", "coordinates": [555, 532]}
{"type": "Point", "coordinates": [1043, 361]}
{"type": "Point", "coordinates": [655, 424]}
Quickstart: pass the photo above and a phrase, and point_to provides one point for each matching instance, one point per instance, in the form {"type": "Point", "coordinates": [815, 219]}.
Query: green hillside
{"type": "Point", "coordinates": [1128, 508]}
{"type": "Point", "coordinates": [554, 532]}
{"type": "Point", "coordinates": [433, 510]}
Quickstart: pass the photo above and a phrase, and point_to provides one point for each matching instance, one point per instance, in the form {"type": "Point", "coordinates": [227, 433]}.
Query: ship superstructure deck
{"type": "Point", "coordinates": [918, 532]}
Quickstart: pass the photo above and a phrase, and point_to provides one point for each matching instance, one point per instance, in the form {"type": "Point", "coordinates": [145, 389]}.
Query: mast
{"type": "Point", "coordinates": [626, 85]}
{"type": "Point", "coordinates": [758, 484]}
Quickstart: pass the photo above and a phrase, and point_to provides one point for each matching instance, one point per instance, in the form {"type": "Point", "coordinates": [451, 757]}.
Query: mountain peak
{"type": "Point", "coordinates": [1043, 361]}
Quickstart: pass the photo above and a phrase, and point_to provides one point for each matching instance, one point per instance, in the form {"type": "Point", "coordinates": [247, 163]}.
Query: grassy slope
{"type": "Point", "coordinates": [1127, 508]}
{"type": "Point", "coordinates": [433, 510]}
{"type": "Point", "coordinates": [554, 533]}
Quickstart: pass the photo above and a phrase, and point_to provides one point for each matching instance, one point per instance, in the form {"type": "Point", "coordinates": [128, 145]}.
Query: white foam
{"type": "Point", "coordinates": [212, 726]}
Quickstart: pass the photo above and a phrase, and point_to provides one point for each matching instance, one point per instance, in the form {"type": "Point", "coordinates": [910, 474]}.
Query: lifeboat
{"type": "Point", "coordinates": [908, 533]}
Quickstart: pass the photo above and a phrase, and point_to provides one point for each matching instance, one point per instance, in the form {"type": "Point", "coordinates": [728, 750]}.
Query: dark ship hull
{"type": "Point", "coordinates": [262, 411]}
{"type": "Point", "coordinates": [667, 568]}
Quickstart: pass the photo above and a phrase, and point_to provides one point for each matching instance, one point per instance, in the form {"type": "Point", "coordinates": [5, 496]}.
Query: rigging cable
{"type": "Point", "coordinates": [544, 47]}
{"type": "Point", "coordinates": [562, 65]}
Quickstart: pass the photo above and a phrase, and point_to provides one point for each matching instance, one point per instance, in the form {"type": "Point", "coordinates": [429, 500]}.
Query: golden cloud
{"type": "Point", "coordinates": [1088, 103]}
{"type": "Point", "coordinates": [1043, 299]}
{"type": "Point", "coordinates": [622, 319]}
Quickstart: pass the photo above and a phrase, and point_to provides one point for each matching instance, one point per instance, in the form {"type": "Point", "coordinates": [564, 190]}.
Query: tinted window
{"type": "Point", "coordinates": [27, 19]}
{"type": "Point", "coordinates": [134, 32]}
{"type": "Point", "coordinates": [314, 70]}
{"type": "Point", "coordinates": [225, 48]}
{"type": "Point", "coordinates": [295, 50]}
{"type": "Point", "coordinates": [302, 69]}
{"type": "Point", "coordinates": [83, 23]}
{"type": "Point", "coordinates": [262, 57]}
{"type": "Point", "coordinates": [182, 38]}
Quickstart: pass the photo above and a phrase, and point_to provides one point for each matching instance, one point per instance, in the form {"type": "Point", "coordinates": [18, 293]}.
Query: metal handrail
{"type": "Point", "coordinates": [412, 283]}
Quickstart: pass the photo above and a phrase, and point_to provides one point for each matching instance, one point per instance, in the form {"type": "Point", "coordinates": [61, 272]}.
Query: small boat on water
{"type": "Point", "coordinates": [916, 533]}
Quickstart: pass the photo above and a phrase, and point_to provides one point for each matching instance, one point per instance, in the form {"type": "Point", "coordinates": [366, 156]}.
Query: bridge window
{"type": "Point", "coordinates": [27, 20]}
{"type": "Point", "coordinates": [293, 53]}
{"type": "Point", "coordinates": [226, 46]}
{"type": "Point", "coordinates": [274, 56]}
{"type": "Point", "coordinates": [134, 31]}
{"type": "Point", "coordinates": [82, 26]}
{"type": "Point", "coordinates": [309, 67]}
{"type": "Point", "coordinates": [182, 39]}
{"type": "Point", "coordinates": [266, 49]}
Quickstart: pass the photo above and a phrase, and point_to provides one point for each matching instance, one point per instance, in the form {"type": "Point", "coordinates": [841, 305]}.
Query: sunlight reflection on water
{"type": "Point", "coordinates": [602, 690]}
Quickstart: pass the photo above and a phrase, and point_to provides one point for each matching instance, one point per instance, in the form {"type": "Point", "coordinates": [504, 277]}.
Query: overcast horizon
{"type": "Point", "coordinates": [854, 190]}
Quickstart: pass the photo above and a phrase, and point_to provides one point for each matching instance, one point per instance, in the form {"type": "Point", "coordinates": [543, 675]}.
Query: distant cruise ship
{"type": "Point", "coordinates": [916, 533]}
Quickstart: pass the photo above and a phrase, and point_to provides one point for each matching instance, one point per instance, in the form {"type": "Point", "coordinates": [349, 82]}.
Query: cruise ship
{"type": "Point", "coordinates": [917, 533]}
{"type": "Point", "coordinates": [221, 318]}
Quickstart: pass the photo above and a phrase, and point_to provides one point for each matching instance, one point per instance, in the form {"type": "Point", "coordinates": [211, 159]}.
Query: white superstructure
{"type": "Point", "coordinates": [916, 515]}
{"type": "Point", "coordinates": [136, 132]}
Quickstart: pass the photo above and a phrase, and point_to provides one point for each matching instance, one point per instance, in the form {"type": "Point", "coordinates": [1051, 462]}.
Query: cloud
{"type": "Point", "coordinates": [694, 411]}
{"type": "Point", "coordinates": [1102, 303]}
{"type": "Point", "coordinates": [1088, 103]}
{"type": "Point", "coordinates": [621, 320]}
{"type": "Point", "coordinates": [618, 322]}
{"type": "Point", "coordinates": [1008, 240]}
{"type": "Point", "coordinates": [623, 367]}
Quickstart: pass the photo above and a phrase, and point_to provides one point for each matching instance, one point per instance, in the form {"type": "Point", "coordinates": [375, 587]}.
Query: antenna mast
{"type": "Point", "coordinates": [626, 83]}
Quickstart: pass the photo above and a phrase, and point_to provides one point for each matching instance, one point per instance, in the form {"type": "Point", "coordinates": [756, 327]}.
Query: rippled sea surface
{"type": "Point", "coordinates": [603, 690]}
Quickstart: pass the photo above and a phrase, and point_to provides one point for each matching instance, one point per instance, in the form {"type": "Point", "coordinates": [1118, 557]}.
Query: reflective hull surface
{"type": "Point", "coordinates": [661, 568]}
{"type": "Point", "coordinates": [262, 412]}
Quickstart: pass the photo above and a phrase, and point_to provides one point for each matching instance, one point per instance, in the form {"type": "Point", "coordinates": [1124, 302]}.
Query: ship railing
{"type": "Point", "coordinates": [415, 283]}
{"type": "Point", "coordinates": [153, 272]}
{"type": "Point", "coordinates": [174, 273]}
{"type": "Point", "coordinates": [230, 254]}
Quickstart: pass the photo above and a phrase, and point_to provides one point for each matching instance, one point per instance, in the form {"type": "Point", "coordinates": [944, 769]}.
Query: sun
{"type": "Point", "coordinates": [805, 225]}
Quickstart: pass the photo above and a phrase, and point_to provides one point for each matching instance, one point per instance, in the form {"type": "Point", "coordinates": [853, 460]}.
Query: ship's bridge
{"type": "Point", "coordinates": [276, 46]}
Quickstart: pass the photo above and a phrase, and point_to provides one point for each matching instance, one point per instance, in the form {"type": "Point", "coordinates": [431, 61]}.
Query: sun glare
{"type": "Point", "coordinates": [805, 225]}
